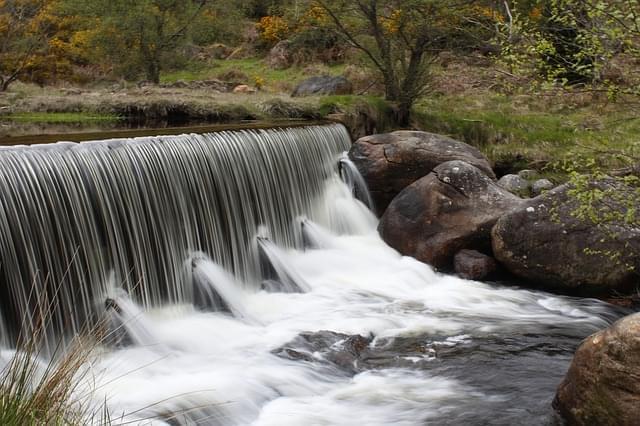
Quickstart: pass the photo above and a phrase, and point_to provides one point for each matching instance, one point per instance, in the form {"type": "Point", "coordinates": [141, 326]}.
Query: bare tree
{"type": "Point", "coordinates": [401, 39]}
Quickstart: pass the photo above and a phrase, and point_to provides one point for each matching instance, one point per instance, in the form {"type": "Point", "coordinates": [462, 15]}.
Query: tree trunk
{"type": "Point", "coordinates": [404, 114]}
{"type": "Point", "coordinates": [153, 71]}
{"type": "Point", "coordinates": [5, 82]}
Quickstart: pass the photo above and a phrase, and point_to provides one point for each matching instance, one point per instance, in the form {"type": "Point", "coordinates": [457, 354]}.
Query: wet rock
{"type": "Point", "coordinates": [341, 350]}
{"type": "Point", "coordinates": [280, 57]}
{"type": "Point", "coordinates": [323, 85]}
{"type": "Point", "coordinates": [450, 209]}
{"type": "Point", "coordinates": [473, 265]}
{"type": "Point", "coordinates": [392, 161]}
{"type": "Point", "coordinates": [602, 386]}
{"type": "Point", "coordinates": [353, 354]}
{"type": "Point", "coordinates": [546, 243]}
{"type": "Point", "coordinates": [515, 184]}
{"type": "Point", "coordinates": [540, 186]}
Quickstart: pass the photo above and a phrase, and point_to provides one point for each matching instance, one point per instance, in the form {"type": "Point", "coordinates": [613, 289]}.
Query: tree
{"type": "Point", "coordinates": [138, 36]}
{"type": "Point", "coordinates": [23, 35]}
{"type": "Point", "coordinates": [401, 38]}
{"type": "Point", "coordinates": [572, 41]}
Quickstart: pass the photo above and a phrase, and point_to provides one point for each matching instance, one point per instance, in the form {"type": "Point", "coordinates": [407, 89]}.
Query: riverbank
{"type": "Point", "coordinates": [515, 129]}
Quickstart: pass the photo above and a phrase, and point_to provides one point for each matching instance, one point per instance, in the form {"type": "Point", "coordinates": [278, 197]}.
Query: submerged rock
{"type": "Point", "coordinates": [602, 386]}
{"type": "Point", "coordinates": [342, 350]}
{"type": "Point", "coordinates": [451, 209]}
{"type": "Point", "coordinates": [392, 161]}
{"type": "Point", "coordinates": [323, 85]}
{"type": "Point", "coordinates": [353, 354]}
{"type": "Point", "coordinates": [546, 243]}
{"type": "Point", "coordinates": [473, 265]}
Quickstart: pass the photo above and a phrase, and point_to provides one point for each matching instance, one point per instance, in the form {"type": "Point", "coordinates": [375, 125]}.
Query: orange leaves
{"type": "Point", "coordinates": [35, 40]}
{"type": "Point", "coordinates": [315, 16]}
{"type": "Point", "coordinates": [273, 29]}
{"type": "Point", "coordinates": [391, 25]}
{"type": "Point", "coordinates": [535, 14]}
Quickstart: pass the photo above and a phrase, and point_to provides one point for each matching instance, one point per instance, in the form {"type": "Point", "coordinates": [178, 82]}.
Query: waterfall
{"type": "Point", "coordinates": [74, 214]}
{"type": "Point", "coordinates": [352, 177]}
{"type": "Point", "coordinates": [243, 282]}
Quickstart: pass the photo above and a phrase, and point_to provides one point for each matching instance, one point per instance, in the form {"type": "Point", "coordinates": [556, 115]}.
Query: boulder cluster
{"type": "Point", "coordinates": [439, 201]}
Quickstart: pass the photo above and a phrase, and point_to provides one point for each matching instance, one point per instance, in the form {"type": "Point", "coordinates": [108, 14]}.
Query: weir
{"type": "Point", "coordinates": [72, 215]}
{"type": "Point", "coordinates": [241, 281]}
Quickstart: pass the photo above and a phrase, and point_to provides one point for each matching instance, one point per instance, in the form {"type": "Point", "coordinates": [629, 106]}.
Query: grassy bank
{"type": "Point", "coordinates": [251, 71]}
{"type": "Point", "coordinates": [529, 132]}
{"type": "Point", "coordinates": [60, 117]}
{"type": "Point", "coordinates": [518, 130]}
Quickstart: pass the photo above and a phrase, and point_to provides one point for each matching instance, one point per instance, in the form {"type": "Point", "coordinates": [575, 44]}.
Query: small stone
{"type": "Point", "coordinates": [529, 174]}
{"type": "Point", "coordinates": [243, 88]}
{"type": "Point", "coordinates": [540, 186]}
{"type": "Point", "coordinates": [473, 265]}
{"type": "Point", "coordinates": [515, 184]}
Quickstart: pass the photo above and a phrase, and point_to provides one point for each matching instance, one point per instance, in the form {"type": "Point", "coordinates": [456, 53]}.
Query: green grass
{"type": "Point", "coordinates": [253, 68]}
{"type": "Point", "coordinates": [59, 117]}
{"type": "Point", "coordinates": [527, 130]}
{"type": "Point", "coordinates": [335, 103]}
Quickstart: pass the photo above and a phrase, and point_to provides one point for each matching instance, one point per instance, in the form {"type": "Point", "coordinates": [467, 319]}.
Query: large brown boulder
{"type": "Point", "coordinates": [452, 208]}
{"type": "Point", "coordinates": [392, 161]}
{"type": "Point", "coordinates": [602, 386]}
{"type": "Point", "coordinates": [548, 244]}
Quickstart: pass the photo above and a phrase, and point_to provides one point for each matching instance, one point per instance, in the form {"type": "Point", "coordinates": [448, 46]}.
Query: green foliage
{"type": "Point", "coordinates": [572, 41]}
{"type": "Point", "coordinates": [610, 203]}
{"type": "Point", "coordinates": [137, 36]}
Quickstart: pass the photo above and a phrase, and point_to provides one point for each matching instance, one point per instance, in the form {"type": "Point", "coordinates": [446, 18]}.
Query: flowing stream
{"type": "Point", "coordinates": [245, 284]}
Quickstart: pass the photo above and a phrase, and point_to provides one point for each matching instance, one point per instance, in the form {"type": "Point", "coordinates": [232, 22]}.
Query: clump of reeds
{"type": "Point", "coordinates": [38, 388]}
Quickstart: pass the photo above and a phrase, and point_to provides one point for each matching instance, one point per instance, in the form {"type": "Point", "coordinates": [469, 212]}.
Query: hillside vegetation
{"type": "Point", "coordinates": [533, 84]}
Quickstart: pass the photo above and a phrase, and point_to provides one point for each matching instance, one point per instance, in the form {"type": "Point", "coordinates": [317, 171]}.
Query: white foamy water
{"type": "Point", "coordinates": [214, 368]}
{"type": "Point", "coordinates": [246, 334]}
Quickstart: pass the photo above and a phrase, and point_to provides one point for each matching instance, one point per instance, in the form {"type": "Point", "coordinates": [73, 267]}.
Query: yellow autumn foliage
{"type": "Point", "coordinates": [273, 29]}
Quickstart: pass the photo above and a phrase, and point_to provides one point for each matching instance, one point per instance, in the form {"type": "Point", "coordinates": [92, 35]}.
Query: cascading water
{"type": "Point", "coordinates": [169, 219]}
{"type": "Point", "coordinates": [354, 180]}
{"type": "Point", "coordinates": [73, 214]}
